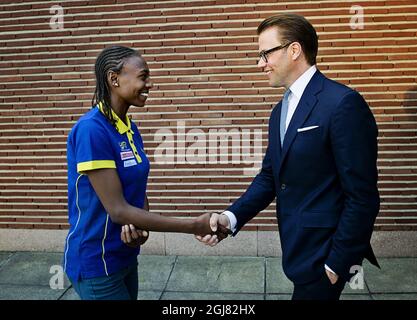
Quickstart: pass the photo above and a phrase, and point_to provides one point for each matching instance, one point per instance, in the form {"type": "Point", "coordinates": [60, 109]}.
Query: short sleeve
{"type": "Point", "coordinates": [92, 147]}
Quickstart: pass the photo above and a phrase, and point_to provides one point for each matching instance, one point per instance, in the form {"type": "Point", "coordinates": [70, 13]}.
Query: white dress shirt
{"type": "Point", "coordinates": [297, 90]}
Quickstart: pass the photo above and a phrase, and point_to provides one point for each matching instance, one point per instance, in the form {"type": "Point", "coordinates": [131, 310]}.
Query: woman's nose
{"type": "Point", "coordinates": [149, 84]}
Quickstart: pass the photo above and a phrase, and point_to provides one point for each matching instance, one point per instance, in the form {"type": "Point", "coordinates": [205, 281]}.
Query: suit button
{"type": "Point", "coordinates": [283, 186]}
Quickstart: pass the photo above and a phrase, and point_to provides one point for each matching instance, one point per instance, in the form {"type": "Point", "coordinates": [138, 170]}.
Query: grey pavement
{"type": "Point", "coordinates": [38, 276]}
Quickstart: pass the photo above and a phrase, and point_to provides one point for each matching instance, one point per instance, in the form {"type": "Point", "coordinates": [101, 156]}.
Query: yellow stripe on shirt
{"type": "Point", "coordinates": [132, 145]}
{"type": "Point", "coordinates": [96, 164]}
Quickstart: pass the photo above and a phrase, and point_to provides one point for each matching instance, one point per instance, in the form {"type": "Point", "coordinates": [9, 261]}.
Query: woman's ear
{"type": "Point", "coordinates": [112, 78]}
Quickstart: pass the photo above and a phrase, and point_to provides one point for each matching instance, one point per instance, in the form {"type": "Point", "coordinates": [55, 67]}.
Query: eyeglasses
{"type": "Point", "coordinates": [264, 53]}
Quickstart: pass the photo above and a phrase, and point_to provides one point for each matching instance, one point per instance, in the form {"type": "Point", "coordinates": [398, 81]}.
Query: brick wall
{"type": "Point", "coordinates": [202, 56]}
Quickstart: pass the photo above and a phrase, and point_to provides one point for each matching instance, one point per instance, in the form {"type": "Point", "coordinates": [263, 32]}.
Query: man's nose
{"type": "Point", "coordinates": [261, 63]}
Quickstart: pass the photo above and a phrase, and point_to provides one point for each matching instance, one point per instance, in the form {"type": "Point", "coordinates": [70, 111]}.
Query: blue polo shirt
{"type": "Point", "coordinates": [93, 246]}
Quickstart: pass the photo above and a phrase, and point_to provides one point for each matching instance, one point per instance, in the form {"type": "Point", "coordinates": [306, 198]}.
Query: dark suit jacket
{"type": "Point", "coordinates": [324, 180]}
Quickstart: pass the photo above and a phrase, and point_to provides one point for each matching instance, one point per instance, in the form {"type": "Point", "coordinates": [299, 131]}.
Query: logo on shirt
{"type": "Point", "coordinates": [123, 145]}
{"type": "Point", "coordinates": [129, 163]}
{"type": "Point", "coordinates": [124, 155]}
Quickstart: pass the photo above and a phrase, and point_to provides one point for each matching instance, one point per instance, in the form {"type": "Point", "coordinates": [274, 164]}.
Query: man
{"type": "Point", "coordinates": [320, 165]}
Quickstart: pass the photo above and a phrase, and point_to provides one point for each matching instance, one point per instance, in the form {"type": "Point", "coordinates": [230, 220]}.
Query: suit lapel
{"type": "Point", "coordinates": [306, 104]}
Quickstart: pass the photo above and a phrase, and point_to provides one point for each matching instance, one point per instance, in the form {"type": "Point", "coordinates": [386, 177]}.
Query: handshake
{"type": "Point", "coordinates": [219, 228]}
{"type": "Point", "coordinates": [208, 228]}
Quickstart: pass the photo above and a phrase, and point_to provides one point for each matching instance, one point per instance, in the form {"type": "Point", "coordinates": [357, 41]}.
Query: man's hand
{"type": "Point", "coordinates": [220, 225]}
{"type": "Point", "coordinates": [333, 277]}
{"type": "Point", "coordinates": [133, 237]}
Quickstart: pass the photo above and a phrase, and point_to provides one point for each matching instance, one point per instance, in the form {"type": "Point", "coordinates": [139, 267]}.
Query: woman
{"type": "Point", "coordinates": [107, 176]}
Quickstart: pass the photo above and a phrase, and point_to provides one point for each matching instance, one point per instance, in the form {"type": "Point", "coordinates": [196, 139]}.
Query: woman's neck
{"type": "Point", "coordinates": [120, 107]}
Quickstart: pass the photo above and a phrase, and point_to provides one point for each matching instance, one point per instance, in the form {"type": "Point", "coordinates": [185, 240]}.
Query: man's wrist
{"type": "Point", "coordinates": [232, 219]}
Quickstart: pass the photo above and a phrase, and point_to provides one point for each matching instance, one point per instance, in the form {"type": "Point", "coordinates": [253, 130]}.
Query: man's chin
{"type": "Point", "coordinates": [275, 84]}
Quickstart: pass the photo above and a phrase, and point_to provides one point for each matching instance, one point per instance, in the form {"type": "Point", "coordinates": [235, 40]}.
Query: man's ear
{"type": "Point", "coordinates": [112, 78]}
{"type": "Point", "coordinates": [296, 50]}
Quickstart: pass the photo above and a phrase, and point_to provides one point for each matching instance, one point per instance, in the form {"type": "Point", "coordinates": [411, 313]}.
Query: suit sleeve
{"type": "Point", "coordinates": [259, 194]}
{"type": "Point", "coordinates": [354, 134]}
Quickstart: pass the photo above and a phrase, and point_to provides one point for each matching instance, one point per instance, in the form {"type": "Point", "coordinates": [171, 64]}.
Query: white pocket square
{"type": "Point", "coordinates": [306, 128]}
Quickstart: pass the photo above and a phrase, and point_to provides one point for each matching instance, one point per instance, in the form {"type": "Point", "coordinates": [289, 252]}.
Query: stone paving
{"type": "Point", "coordinates": [34, 276]}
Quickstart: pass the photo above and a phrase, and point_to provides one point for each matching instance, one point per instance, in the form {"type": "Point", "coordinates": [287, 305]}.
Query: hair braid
{"type": "Point", "coordinates": [110, 59]}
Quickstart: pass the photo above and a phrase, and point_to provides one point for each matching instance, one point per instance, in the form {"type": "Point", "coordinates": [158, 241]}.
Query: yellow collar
{"type": "Point", "coordinates": [120, 125]}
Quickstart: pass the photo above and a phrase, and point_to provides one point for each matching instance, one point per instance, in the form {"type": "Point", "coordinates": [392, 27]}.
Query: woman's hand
{"type": "Point", "coordinates": [133, 237]}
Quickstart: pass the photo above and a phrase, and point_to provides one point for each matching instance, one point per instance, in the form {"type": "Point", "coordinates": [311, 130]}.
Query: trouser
{"type": "Point", "coordinates": [122, 285]}
{"type": "Point", "coordinates": [320, 289]}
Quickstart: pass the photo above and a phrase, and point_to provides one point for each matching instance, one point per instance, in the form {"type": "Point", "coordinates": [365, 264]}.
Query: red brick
{"type": "Point", "coordinates": [215, 61]}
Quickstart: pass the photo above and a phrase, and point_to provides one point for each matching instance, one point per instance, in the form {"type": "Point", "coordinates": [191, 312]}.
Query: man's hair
{"type": "Point", "coordinates": [294, 28]}
{"type": "Point", "coordinates": [110, 59]}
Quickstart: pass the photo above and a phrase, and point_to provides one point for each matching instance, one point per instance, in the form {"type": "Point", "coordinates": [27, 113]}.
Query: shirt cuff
{"type": "Point", "coordinates": [328, 268]}
{"type": "Point", "coordinates": [232, 220]}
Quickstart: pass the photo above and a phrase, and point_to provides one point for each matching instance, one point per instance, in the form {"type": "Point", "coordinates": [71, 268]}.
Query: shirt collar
{"type": "Point", "coordinates": [121, 127]}
{"type": "Point", "coordinates": [298, 87]}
